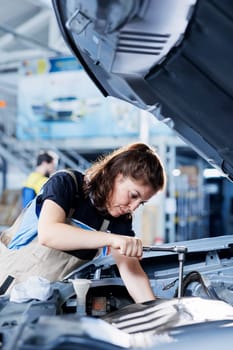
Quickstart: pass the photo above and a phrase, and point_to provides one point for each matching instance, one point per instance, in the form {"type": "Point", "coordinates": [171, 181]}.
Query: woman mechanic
{"type": "Point", "coordinates": [111, 189]}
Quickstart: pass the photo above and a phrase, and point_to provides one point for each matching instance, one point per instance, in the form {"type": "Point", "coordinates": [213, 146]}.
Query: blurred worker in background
{"type": "Point", "coordinates": [46, 164]}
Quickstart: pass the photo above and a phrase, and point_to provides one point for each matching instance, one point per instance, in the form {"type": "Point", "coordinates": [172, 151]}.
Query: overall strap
{"type": "Point", "coordinates": [104, 226]}
{"type": "Point", "coordinates": [71, 173]}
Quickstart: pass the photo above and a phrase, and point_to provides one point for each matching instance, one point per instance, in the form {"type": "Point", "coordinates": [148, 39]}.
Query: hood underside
{"type": "Point", "coordinates": [172, 58]}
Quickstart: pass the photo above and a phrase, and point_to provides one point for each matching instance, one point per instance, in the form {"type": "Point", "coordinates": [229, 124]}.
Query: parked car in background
{"type": "Point", "coordinates": [62, 108]}
{"type": "Point", "coordinates": [65, 108]}
{"type": "Point", "coordinates": [174, 59]}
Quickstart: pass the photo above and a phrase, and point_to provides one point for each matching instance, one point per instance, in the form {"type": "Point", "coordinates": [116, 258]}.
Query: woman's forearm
{"type": "Point", "coordinates": [54, 232]}
{"type": "Point", "coordinates": [135, 279]}
{"type": "Point", "coordinates": [65, 237]}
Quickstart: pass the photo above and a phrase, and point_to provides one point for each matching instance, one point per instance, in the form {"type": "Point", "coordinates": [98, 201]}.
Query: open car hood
{"type": "Point", "coordinates": [172, 58]}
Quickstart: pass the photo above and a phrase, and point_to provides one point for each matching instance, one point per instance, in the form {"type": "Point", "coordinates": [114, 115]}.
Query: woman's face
{"type": "Point", "coordinates": [127, 195]}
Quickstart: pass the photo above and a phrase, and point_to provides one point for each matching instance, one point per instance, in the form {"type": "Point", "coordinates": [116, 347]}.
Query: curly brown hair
{"type": "Point", "coordinates": [137, 161]}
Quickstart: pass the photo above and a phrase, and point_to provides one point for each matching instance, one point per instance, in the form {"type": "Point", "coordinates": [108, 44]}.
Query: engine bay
{"type": "Point", "coordinates": [207, 287]}
{"type": "Point", "coordinates": [206, 274]}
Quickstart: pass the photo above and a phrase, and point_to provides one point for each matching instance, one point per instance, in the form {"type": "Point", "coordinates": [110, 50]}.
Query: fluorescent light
{"type": "Point", "coordinates": [209, 172]}
{"type": "Point", "coordinates": [176, 172]}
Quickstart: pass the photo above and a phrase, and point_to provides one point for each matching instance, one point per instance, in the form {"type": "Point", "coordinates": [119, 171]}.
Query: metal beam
{"type": "Point", "coordinates": [32, 26]}
{"type": "Point", "coordinates": [16, 56]}
{"type": "Point", "coordinates": [33, 42]}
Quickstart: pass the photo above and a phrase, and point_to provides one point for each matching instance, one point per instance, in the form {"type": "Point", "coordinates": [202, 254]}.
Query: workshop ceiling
{"type": "Point", "coordinates": [28, 29]}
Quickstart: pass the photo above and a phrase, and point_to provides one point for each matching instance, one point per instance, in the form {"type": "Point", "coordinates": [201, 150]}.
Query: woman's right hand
{"type": "Point", "coordinates": [126, 245]}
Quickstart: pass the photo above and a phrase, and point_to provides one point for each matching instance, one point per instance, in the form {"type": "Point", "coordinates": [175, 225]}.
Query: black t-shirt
{"type": "Point", "coordinates": [61, 189]}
